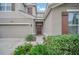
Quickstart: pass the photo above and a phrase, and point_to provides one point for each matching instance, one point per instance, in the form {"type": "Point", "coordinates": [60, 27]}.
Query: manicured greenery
{"type": "Point", "coordinates": [38, 50]}
{"type": "Point", "coordinates": [23, 49]}
{"type": "Point", "coordinates": [53, 45]}
{"type": "Point", "coordinates": [30, 37]}
{"type": "Point", "coordinates": [63, 44]}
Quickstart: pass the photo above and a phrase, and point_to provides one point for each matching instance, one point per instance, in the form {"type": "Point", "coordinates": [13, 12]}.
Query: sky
{"type": "Point", "coordinates": [41, 7]}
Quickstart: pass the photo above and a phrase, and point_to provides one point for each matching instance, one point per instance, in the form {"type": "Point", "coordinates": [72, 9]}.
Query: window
{"type": "Point", "coordinates": [73, 22]}
{"type": "Point", "coordinates": [5, 7]}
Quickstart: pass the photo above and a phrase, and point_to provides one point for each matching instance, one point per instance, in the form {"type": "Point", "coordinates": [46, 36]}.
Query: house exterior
{"type": "Point", "coordinates": [39, 20]}
{"type": "Point", "coordinates": [20, 19]}
{"type": "Point", "coordinates": [61, 18]}
{"type": "Point", "coordinates": [17, 20]}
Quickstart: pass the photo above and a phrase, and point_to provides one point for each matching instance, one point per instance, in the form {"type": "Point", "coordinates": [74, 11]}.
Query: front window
{"type": "Point", "coordinates": [5, 7]}
{"type": "Point", "coordinates": [73, 22]}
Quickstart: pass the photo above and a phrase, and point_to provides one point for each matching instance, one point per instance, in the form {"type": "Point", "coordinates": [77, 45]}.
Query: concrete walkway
{"type": "Point", "coordinates": [39, 39]}
{"type": "Point", "coordinates": [8, 45]}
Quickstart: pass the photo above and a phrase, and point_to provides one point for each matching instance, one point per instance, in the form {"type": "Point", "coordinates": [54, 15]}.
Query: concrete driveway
{"type": "Point", "coordinates": [7, 45]}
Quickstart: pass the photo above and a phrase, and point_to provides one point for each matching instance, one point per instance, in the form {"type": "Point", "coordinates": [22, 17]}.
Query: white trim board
{"type": "Point", "coordinates": [73, 10]}
{"type": "Point", "coordinates": [15, 24]}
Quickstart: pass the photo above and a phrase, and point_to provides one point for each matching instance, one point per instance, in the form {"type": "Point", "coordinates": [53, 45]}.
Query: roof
{"type": "Point", "coordinates": [26, 14]}
{"type": "Point", "coordinates": [15, 14]}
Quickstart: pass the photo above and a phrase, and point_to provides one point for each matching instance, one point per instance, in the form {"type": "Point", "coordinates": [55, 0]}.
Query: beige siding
{"type": "Point", "coordinates": [15, 30]}
{"type": "Point", "coordinates": [16, 20]}
{"type": "Point", "coordinates": [19, 6]}
{"type": "Point", "coordinates": [47, 28]}
{"type": "Point", "coordinates": [53, 23]}
{"type": "Point", "coordinates": [16, 16]}
{"type": "Point", "coordinates": [34, 11]}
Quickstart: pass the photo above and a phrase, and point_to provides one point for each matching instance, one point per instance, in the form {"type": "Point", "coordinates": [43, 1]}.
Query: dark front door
{"type": "Point", "coordinates": [64, 23]}
{"type": "Point", "coordinates": [39, 26]}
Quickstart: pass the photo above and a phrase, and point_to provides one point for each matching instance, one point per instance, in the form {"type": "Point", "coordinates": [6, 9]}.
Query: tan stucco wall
{"type": "Point", "coordinates": [53, 23]}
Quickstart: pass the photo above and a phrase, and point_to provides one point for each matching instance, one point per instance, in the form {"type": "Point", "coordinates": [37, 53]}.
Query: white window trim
{"type": "Point", "coordinates": [73, 10]}
{"type": "Point", "coordinates": [73, 25]}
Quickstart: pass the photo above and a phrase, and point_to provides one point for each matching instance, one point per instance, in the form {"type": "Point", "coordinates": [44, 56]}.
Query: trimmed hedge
{"type": "Point", "coordinates": [53, 45]}
{"type": "Point", "coordinates": [23, 49]}
{"type": "Point", "coordinates": [39, 49]}
{"type": "Point", "coordinates": [63, 44]}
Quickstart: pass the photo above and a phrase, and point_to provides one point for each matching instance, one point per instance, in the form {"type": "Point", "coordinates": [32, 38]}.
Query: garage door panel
{"type": "Point", "coordinates": [14, 31]}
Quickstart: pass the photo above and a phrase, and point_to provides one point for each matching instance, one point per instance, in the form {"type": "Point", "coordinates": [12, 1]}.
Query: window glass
{"type": "Point", "coordinates": [5, 7]}
{"type": "Point", "coordinates": [73, 18]}
{"type": "Point", "coordinates": [73, 22]}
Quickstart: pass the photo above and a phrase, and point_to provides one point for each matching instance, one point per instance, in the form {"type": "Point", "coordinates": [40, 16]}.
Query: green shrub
{"type": "Point", "coordinates": [30, 37]}
{"type": "Point", "coordinates": [23, 49]}
{"type": "Point", "coordinates": [38, 50]}
{"type": "Point", "coordinates": [53, 45]}
{"type": "Point", "coordinates": [63, 44]}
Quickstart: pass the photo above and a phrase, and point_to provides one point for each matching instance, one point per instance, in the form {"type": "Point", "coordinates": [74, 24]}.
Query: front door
{"type": "Point", "coordinates": [64, 23]}
{"type": "Point", "coordinates": [39, 27]}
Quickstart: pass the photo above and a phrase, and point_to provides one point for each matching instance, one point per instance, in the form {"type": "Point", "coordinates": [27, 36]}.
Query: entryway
{"type": "Point", "coordinates": [39, 27]}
